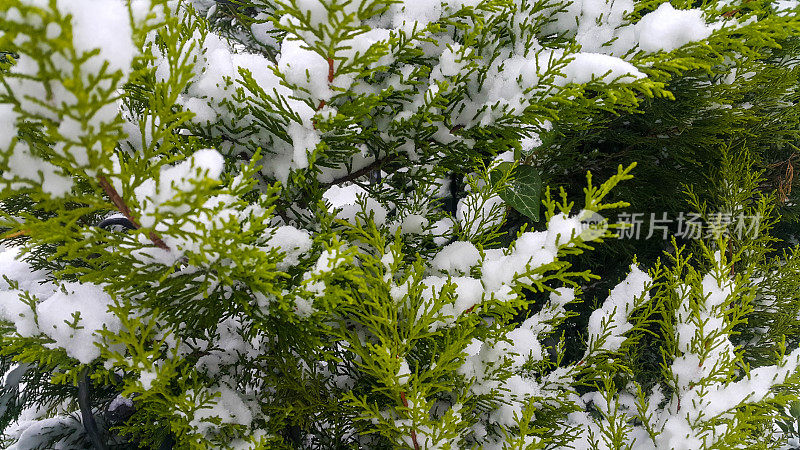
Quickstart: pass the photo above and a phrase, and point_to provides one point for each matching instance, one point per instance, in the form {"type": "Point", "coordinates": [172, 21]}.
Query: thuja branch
{"type": "Point", "coordinates": [377, 164]}
{"type": "Point", "coordinates": [413, 431]}
{"type": "Point", "coordinates": [119, 202]}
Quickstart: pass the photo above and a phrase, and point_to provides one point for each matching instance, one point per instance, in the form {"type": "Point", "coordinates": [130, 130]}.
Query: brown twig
{"type": "Point", "coordinates": [377, 164]}
{"type": "Point", "coordinates": [118, 201]}
{"type": "Point", "coordinates": [15, 234]}
{"type": "Point", "coordinates": [330, 70]}
{"type": "Point", "coordinates": [413, 431]}
{"type": "Point", "coordinates": [363, 171]}
{"type": "Point", "coordinates": [733, 12]}
{"type": "Point", "coordinates": [786, 181]}
{"type": "Point", "coordinates": [785, 188]}
{"type": "Point", "coordinates": [331, 76]}
{"type": "Point", "coordinates": [730, 255]}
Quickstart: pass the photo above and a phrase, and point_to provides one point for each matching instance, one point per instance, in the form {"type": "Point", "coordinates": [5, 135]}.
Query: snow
{"type": "Point", "coordinates": [476, 277]}
{"type": "Point", "coordinates": [101, 29]}
{"type": "Point", "coordinates": [214, 88]}
{"type": "Point", "coordinates": [753, 388]}
{"type": "Point", "coordinates": [227, 406]}
{"type": "Point", "coordinates": [304, 142]}
{"type": "Point", "coordinates": [203, 113]}
{"type": "Point", "coordinates": [103, 25]}
{"type": "Point", "coordinates": [562, 296]}
{"type": "Point", "coordinates": [600, 21]}
{"type": "Point", "coordinates": [477, 214]}
{"type": "Point", "coordinates": [530, 251]}
{"type": "Point", "coordinates": [158, 196]}
{"type": "Point", "coordinates": [442, 230]}
{"type": "Point", "coordinates": [609, 323]}
{"type": "Point", "coordinates": [413, 224]}
{"type": "Point", "coordinates": [702, 323]}
{"type": "Point", "coordinates": [8, 127]}
{"type": "Point", "coordinates": [716, 293]}
{"type": "Point", "coordinates": [451, 62]}
{"type": "Point", "coordinates": [410, 14]}
{"type": "Point", "coordinates": [339, 196]}
{"type": "Point", "coordinates": [306, 69]}
{"type": "Point", "coordinates": [705, 381]}
{"type": "Point", "coordinates": [667, 28]}
{"type": "Point", "coordinates": [316, 11]}
{"type": "Point", "coordinates": [292, 242]}
{"type": "Point", "coordinates": [30, 434]}
{"type": "Point", "coordinates": [456, 258]}
{"type": "Point", "coordinates": [263, 30]}
{"type": "Point", "coordinates": [601, 26]}
{"type": "Point", "coordinates": [404, 372]}
{"type": "Point", "coordinates": [25, 166]}
{"type": "Point", "coordinates": [88, 302]}
{"type": "Point", "coordinates": [84, 305]}
{"type": "Point", "coordinates": [226, 346]}
{"type": "Point", "coordinates": [13, 310]}
{"type": "Point", "coordinates": [561, 229]}
{"type": "Point", "coordinates": [467, 294]}
{"type": "Point", "coordinates": [345, 199]}
{"type": "Point", "coordinates": [586, 67]}
{"type": "Point", "coordinates": [786, 6]}
{"type": "Point", "coordinates": [14, 268]}
{"type": "Point", "coordinates": [118, 402]}
{"type": "Point", "coordinates": [513, 78]}
{"type": "Point", "coordinates": [523, 344]}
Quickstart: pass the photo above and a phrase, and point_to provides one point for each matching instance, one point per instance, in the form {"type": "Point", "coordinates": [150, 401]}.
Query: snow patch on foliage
{"type": "Point", "coordinates": [227, 406]}
{"type": "Point", "coordinates": [667, 28]}
{"type": "Point", "coordinates": [306, 69]}
{"type": "Point", "coordinates": [86, 305]}
{"type": "Point", "coordinates": [82, 84]}
{"type": "Point", "coordinates": [71, 314]}
{"type": "Point", "coordinates": [103, 25]}
{"type": "Point", "coordinates": [586, 67]}
{"type": "Point", "coordinates": [456, 258]}
{"type": "Point", "coordinates": [349, 199]}
{"type": "Point", "coordinates": [601, 26]}
{"type": "Point", "coordinates": [8, 125]}
{"type": "Point", "coordinates": [609, 323]}
{"type": "Point", "coordinates": [292, 242]}
{"type": "Point", "coordinates": [477, 213]}
{"type": "Point", "coordinates": [162, 196]}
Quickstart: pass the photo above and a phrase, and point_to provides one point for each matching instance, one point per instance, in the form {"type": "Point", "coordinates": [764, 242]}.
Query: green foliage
{"type": "Point", "coordinates": [333, 229]}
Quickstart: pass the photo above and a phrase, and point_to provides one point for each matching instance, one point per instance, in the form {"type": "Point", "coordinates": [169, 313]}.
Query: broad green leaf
{"type": "Point", "coordinates": [523, 192]}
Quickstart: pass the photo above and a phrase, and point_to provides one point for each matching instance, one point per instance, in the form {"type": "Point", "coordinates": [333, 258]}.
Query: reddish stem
{"type": "Point", "coordinates": [322, 103]}
{"type": "Point", "coordinates": [117, 200]}
{"type": "Point", "coordinates": [15, 234]}
{"type": "Point", "coordinates": [413, 431]}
